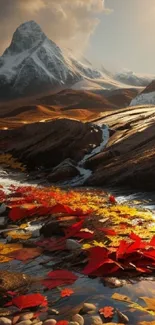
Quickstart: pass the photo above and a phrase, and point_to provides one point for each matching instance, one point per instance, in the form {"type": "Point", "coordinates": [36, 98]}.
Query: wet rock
{"type": "Point", "coordinates": [50, 322]}
{"type": "Point", "coordinates": [27, 316]}
{"type": "Point", "coordinates": [78, 319]}
{"type": "Point", "coordinates": [64, 171]}
{"type": "Point", "coordinates": [88, 308]}
{"type": "Point", "coordinates": [93, 320]}
{"type": "Point", "coordinates": [5, 321]}
{"type": "Point", "coordinates": [25, 322]}
{"type": "Point", "coordinates": [2, 208]}
{"type": "Point", "coordinates": [3, 221]}
{"type": "Point", "coordinates": [73, 323]}
{"type": "Point", "coordinates": [10, 281]}
{"type": "Point", "coordinates": [72, 244]}
{"type": "Point", "coordinates": [51, 229]}
{"type": "Point", "coordinates": [53, 312]}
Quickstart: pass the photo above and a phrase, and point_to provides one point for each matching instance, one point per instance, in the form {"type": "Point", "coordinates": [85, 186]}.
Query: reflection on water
{"type": "Point", "coordinates": [93, 290]}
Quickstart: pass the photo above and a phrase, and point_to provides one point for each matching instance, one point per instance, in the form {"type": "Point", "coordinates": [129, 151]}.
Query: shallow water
{"type": "Point", "coordinates": [86, 289]}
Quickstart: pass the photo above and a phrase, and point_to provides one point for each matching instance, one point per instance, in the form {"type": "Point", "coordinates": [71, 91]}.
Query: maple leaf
{"type": "Point", "coordinates": [58, 278]}
{"type": "Point", "coordinates": [66, 292]}
{"type": "Point", "coordinates": [107, 311]}
{"type": "Point", "coordinates": [31, 300]}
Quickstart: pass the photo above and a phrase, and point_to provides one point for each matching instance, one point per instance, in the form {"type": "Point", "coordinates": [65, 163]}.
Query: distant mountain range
{"type": "Point", "coordinates": [33, 64]}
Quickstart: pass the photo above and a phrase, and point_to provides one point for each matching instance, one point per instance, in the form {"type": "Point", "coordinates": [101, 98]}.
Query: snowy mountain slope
{"type": "Point", "coordinates": [134, 79]}
{"type": "Point", "coordinates": [146, 97]}
{"type": "Point", "coordinates": [34, 63]}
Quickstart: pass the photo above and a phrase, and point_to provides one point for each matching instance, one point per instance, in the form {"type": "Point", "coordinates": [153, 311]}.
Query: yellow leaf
{"type": "Point", "coordinates": [19, 235]}
{"type": "Point", "coordinates": [5, 249]}
{"type": "Point", "coordinates": [100, 244]}
{"type": "Point", "coordinates": [120, 297]}
{"type": "Point", "coordinates": [86, 246]}
{"type": "Point", "coordinates": [150, 302]}
{"type": "Point", "coordinates": [137, 306]}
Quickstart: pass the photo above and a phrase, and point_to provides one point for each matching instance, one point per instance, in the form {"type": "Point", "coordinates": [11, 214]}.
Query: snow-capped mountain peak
{"type": "Point", "coordinates": [25, 37]}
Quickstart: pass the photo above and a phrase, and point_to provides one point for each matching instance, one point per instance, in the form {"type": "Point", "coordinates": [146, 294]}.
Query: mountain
{"type": "Point", "coordinates": [146, 97]}
{"type": "Point", "coordinates": [33, 64]}
{"type": "Point", "coordinates": [131, 78]}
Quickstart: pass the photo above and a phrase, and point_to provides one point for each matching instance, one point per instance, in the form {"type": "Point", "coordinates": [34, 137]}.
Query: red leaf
{"type": "Point", "coordinates": [59, 278]}
{"type": "Point", "coordinates": [31, 300]}
{"type": "Point", "coordinates": [62, 322]}
{"type": "Point", "coordinates": [98, 256]}
{"type": "Point", "coordinates": [109, 232]}
{"type": "Point", "coordinates": [66, 292]}
{"type": "Point", "coordinates": [152, 242]}
{"type": "Point", "coordinates": [74, 229]}
{"type": "Point", "coordinates": [112, 199]}
{"type": "Point", "coordinates": [107, 311]}
{"type": "Point", "coordinates": [121, 251]}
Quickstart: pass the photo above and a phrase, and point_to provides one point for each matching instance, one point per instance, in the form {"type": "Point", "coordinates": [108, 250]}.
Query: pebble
{"type": "Point", "coordinates": [73, 323]}
{"type": "Point", "coordinates": [72, 244]}
{"type": "Point", "coordinates": [2, 208]}
{"type": "Point", "coordinates": [88, 308]}
{"type": "Point", "coordinates": [94, 320]}
{"type": "Point", "coordinates": [5, 321]}
{"type": "Point", "coordinates": [50, 322]}
{"type": "Point", "coordinates": [25, 322]}
{"type": "Point", "coordinates": [39, 323]}
{"type": "Point", "coordinates": [78, 319]}
{"type": "Point", "coordinates": [27, 316]}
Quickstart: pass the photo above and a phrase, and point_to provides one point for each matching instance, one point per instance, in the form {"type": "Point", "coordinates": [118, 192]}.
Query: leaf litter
{"type": "Point", "coordinates": [103, 228]}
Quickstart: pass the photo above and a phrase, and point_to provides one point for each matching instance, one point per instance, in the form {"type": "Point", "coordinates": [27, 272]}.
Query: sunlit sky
{"type": "Point", "coordinates": [125, 38]}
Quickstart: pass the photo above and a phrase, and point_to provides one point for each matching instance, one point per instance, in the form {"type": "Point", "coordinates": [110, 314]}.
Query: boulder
{"type": "Point", "coordinates": [64, 171]}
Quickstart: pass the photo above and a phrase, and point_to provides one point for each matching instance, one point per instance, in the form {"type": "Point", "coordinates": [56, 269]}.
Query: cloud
{"type": "Point", "coordinates": [70, 23]}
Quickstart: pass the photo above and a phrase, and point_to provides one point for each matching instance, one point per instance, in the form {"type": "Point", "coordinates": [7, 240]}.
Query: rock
{"type": "Point", "coordinates": [50, 322]}
{"type": "Point", "coordinates": [53, 312]}
{"type": "Point", "coordinates": [88, 308]}
{"type": "Point", "coordinates": [27, 316]}
{"type": "Point", "coordinates": [51, 229]}
{"type": "Point", "coordinates": [38, 323]}
{"type": "Point", "coordinates": [5, 321]}
{"type": "Point", "coordinates": [94, 320]}
{"type": "Point", "coordinates": [2, 208]}
{"type": "Point", "coordinates": [64, 171]}
{"type": "Point", "coordinates": [78, 318]}
{"type": "Point", "coordinates": [72, 244]}
{"type": "Point", "coordinates": [128, 159]}
{"type": "Point", "coordinates": [58, 140]}
{"type": "Point", "coordinates": [3, 221]}
{"type": "Point", "coordinates": [25, 322]}
{"type": "Point", "coordinates": [73, 323]}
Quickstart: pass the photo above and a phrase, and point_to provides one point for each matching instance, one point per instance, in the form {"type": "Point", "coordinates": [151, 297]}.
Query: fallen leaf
{"type": "Point", "coordinates": [25, 254]}
{"type": "Point", "coordinates": [118, 296]}
{"type": "Point", "coordinates": [31, 300]}
{"type": "Point", "coordinates": [107, 311]}
{"type": "Point", "coordinates": [150, 302]}
{"type": "Point", "coordinates": [66, 292]}
{"type": "Point", "coordinates": [59, 278]}
{"type": "Point", "coordinates": [62, 322]}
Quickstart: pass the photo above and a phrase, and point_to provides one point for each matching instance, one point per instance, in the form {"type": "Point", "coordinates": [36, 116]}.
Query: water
{"type": "Point", "coordinates": [86, 289]}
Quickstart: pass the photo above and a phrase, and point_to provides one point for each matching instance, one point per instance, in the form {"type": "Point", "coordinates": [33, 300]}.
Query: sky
{"type": "Point", "coordinates": [125, 38]}
{"type": "Point", "coordinates": [119, 34]}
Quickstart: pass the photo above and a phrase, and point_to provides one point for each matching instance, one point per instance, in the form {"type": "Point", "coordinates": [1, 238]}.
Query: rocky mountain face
{"type": "Point", "coordinates": [146, 97]}
{"type": "Point", "coordinates": [33, 64]}
{"type": "Point", "coordinates": [129, 158]}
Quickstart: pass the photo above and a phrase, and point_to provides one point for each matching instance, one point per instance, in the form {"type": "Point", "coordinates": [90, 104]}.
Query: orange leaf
{"type": "Point", "coordinates": [107, 311]}
{"type": "Point", "coordinates": [66, 292]}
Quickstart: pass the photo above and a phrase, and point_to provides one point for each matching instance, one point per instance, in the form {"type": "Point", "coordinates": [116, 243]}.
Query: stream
{"type": "Point", "coordinates": [86, 289]}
